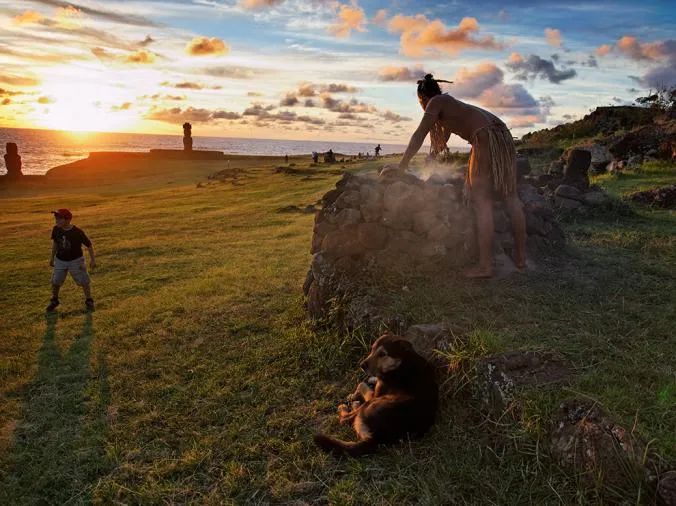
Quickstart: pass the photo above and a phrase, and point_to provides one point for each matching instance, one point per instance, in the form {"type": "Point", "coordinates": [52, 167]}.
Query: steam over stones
{"type": "Point", "coordinates": [382, 225]}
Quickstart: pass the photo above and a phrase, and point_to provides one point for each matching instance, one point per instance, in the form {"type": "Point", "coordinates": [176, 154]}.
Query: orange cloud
{"type": "Point", "coordinates": [515, 58]}
{"type": "Point", "coordinates": [258, 4]}
{"type": "Point", "coordinates": [6, 101]}
{"type": "Point", "coordinates": [202, 46]}
{"type": "Point", "coordinates": [380, 18]}
{"type": "Point", "coordinates": [553, 37]}
{"type": "Point", "coordinates": [632, 48]}
{"type": "Point", "coordinates": [394, 73]}
{"type": "Point", "coordinates": [603, 49]}
{"type": "Point", "coordinates": [141, 57]}
{"type": "Point", "coordinates": [68, 17]}
{"type": "Point", "coordinates": [422, 37]}
{"type": "Point", "coordinates": [45, 100]}
{"type": "Point", "coordinates": [28, 17]}
{"type": "Point", "coordinates": [350, 17]}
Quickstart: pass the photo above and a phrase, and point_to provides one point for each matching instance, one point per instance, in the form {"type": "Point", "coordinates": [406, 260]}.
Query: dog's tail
{"type": "Point", "coordinates": [337, 447]}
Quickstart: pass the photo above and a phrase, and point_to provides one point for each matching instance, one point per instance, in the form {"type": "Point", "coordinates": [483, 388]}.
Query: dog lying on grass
{"type": "Point", "coordinates": [403, 403]}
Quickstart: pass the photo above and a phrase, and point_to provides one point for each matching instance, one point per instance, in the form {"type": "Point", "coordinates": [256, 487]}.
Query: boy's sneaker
{"type": "Point", "coordinates": [52, 305]}
{"type": "Point", "coordinates": [89, 304]}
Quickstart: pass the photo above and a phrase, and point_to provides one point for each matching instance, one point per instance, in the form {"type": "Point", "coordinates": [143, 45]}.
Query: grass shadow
{"type": "Point", "coordinates": [56, 454]}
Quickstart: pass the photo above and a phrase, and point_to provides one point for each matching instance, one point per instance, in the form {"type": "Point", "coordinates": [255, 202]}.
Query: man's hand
{"type": "Point", "coordinates": [92, 263]}
{"type": "Point", "coordinates": [390, 168]}
{"type": "Point", "coordinates": [51, 262]}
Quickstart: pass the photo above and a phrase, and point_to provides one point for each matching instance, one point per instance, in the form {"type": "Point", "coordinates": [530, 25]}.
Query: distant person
{"type": "Point", "coordinates": [378, 149]}
{"type": "Point", "coordinates": [286, 158]}
{"type": "Point", "coordinates": [67, 242]}
{"type": "Point", "coordinates": [315, 157]}
{"type": "Point", "coordinates": [492, 165]}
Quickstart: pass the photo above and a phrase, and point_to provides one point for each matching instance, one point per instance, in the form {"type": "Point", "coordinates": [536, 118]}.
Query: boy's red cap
{"type": "Point", "coordinates": [65, 213]}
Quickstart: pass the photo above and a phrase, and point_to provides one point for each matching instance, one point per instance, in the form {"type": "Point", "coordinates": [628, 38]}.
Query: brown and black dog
{"type": "Point", "coordinates": [403, 403]}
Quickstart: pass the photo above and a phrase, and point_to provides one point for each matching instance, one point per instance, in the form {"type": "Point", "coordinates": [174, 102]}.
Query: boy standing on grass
{"type": "Point", "coordinates": [67, 241]}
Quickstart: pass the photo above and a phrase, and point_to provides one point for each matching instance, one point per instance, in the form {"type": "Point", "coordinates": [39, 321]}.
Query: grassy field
{"type": "Point", "coordinates": [198, 378]}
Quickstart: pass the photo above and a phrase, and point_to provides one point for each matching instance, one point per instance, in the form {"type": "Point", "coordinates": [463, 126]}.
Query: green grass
{"type": "Point", "coordinates": [199, 379]}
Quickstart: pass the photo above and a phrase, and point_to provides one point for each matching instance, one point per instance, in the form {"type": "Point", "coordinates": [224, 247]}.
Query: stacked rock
{"type": "Point", "coordinates": [187, 137]}
{"type": "Point", "coordinates": [378, 226]}
{"type": "Point", "coordinates": [13, 160]}
{"type": "Point", "coordinates": [567, 184]}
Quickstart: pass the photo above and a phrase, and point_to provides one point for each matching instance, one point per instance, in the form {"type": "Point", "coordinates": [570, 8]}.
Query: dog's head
{"type": "Point", "coordinates": [387, 354]}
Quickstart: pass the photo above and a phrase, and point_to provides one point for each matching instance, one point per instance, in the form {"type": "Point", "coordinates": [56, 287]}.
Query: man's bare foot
{"type": "Point", "coordinates": [478, 272]}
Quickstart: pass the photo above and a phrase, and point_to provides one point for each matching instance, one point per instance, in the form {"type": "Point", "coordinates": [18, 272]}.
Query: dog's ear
{"type": "Point", "coordinates": [389, 364]}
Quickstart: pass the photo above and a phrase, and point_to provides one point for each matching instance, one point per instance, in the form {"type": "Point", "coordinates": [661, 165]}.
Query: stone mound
{"type": "Point", "coordinates": [372, 227]}
{"type": "Point", "coordinates": [664, 197]}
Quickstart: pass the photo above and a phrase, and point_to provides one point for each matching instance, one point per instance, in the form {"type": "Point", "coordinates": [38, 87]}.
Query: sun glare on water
{"type": "Point", "coordinates": [81, 108]}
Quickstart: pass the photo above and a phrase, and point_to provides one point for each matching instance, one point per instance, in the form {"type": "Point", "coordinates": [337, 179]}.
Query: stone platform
{"type": "Point", "coordinates": [160, 154]}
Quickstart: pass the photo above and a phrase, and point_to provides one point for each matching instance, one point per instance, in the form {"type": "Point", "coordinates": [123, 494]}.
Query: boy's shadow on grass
{"type": "Point", "coordinates": [57, 453]}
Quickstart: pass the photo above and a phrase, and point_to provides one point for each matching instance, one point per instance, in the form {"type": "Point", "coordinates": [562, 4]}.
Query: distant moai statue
{"type": "Point", "coordinates": [13, 160]}
{"type": "Point", "coordinates": [187, 137]}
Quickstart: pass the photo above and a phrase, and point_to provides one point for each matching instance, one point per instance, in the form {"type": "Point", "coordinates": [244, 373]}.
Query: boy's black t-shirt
{"type": "Point", "coordinates": [69, 243]}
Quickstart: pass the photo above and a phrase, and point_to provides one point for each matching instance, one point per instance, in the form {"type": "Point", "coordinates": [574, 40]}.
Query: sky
{"type": "Point", "coordinates": [320, 69]}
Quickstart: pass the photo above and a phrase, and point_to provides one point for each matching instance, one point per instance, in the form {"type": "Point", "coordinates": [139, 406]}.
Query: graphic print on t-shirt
{"type": "Point", "coordinates": [63, 245]}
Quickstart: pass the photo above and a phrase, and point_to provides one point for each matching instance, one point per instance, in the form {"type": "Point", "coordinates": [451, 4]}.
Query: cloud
{"type": "Point", "coordinates": [102, 54]}
{"type": "Point", "coordinates": [403, 74]}
{"type": "Point", "coordinates": [472, 82]}
{"type": "Point", "coordinates": [122, 107]}
{"type": "Point", "coordinates": [6, 101]}
{"type": "Point", "coordinates": [146, 42]}
{"type": "Point", "coordinates": [306, 90]}
{"type": "Point", "coordinates": [603, 49]}
{"type": "Point", "coordinates": [141, 57]}
{"type": "Point", "coordinates": [289, 100]}
{"type": "Point", "coordinates": [9, 93]}
{"type": "Point", "coordinates": [353, 105]}
{"type": "Point", "coordinates": [225, 115]}
{"type": "Point", "coordinates": [254, 94]}
{"type": "Point", "coordinates": [264, 117]}
{"type": "Point", "coordinates": [590, 62]}
{"type": "Point", "coordinates": [202, 46]}
{"type": "Point", "coordinates": [128, 19]}
{"type": "Point", "coordinates": [380, 17]}
{"type": "Point", "coordinates": [484, 84]}
{"type": "Point", "coordinates": [350, 17]}
{"type": "Point", "coordinates": [69, 17]}
{"type": "Point", "coordinates": [258, 4]}
{"type": "Point", "coordinates": [534, 66]}
{"type": "Point", "coordinates": [660, 53]}
{"type": "Point", "coordinates": [45, 100]}
{"type": "Point", "coordinates": [188, 85]}
{"type": "Point", "coordinates": [28, 17]}
{"type": "Point", "coordinates": [231, 72]}
{"type": "Point", "coordinates": [190, 114]}
{"type": "Point", "coordinates": [394, 117]}
{"type": "Point", "coordinates": [553, 37]}
{"type": "Point", "coordinates": [19, 80]}
{"type": "Point", "coordinates": [422, 37]}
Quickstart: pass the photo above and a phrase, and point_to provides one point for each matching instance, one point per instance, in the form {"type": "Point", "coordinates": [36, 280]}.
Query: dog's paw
{"type": "Point", "coordinates": [343, 408]}
{"type": "Point", "coordinates": [355, 405]}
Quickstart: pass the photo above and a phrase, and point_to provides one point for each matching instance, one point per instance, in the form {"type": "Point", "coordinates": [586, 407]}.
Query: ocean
{"type": "Point", "coordinates": [41, 150]}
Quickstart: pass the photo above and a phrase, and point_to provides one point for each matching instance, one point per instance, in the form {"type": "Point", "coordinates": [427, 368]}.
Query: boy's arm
{"type": "Point", "coordinates": [51, 257]}
{"type": "Point", "coordinates": [92, 258]}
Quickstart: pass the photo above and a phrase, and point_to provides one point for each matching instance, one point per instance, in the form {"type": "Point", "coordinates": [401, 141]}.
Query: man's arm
{"type": "Point", "coordinates": [429, 118]}
{"type": "Point", "coordinates": [51, 257]}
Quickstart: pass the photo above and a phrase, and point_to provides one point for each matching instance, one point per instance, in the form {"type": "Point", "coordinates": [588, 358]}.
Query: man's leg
{"type": "Point", "coordinates": [482, 203]}
{"type": "Point", "coordinates": [55, 291]}
{"type": "Point", "coordinates": [518, 219]}
{"type": "Point", "coordinates": [87, 289]}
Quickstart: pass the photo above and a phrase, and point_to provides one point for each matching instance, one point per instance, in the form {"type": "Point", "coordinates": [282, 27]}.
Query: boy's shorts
{"type": "Point", "coordinates": [77, 269]}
